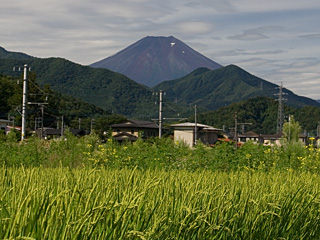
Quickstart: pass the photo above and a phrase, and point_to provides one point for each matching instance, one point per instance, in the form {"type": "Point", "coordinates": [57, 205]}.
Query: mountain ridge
{"type": "Point", "coordinates": [4, 54]}
{"type": "Point", "coordinates": [111, 91]}
{"type": "Point", "coordinates": [152, 60]}
{"type": "Point", "coordinates": [116, 93]}
{"type": "Point", "coordinates": [224, 86]}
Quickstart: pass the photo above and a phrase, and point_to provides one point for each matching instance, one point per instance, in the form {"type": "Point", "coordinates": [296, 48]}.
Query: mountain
{"type": "Point", "coordinates": [116, 93]}
{"type": "Point", "coordinates": [152, 60]}
{"type": "Point", "coordinates": [4, 54]}
{"type": "Point", "coordinates": [56, 105]}
{"type": "Point", "coordinates": [111, 91]}
{"type": "Point", "coordinates": [212, 89]}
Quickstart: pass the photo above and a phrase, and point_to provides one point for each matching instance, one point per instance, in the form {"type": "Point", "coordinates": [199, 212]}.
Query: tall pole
{"type": "Point", "coordinates": [62, 126]}
{"type": "Point", "coordinates": [91, 125]}
{"type": "Point", "coordinates": [160, 114]}
{"type": "Point", "coordinates": [195, 125]}
{"type": "Point", "coordinates": [42, 115]}
{"type": "Point", "coordinates": [280, 109]}
{"type": "Point", "coordinates": [24, 101]}
{"type": "Point", "coordinates": [236, 129]}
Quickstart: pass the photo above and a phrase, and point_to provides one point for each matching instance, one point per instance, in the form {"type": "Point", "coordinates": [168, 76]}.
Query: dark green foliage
{"type": "Point", "coordinates": [56, 106]}
{"type": "Point", "coordinates": [117, 94]}
{"type": "Point", "coordinates": [262, 112]}
{"type": "Point", "coordinates": [308, 118]}
{"type": "Point", "coordinates": [113, 92]}
{"type": "Point", "coordinates": [157, 153]}
{"type": "Point", "coordinates": [221, 87]}
{"type": "Point", "coordinates": [4, 54]}
{"type": "Point", "coordinates": [13, 136]}
{"type": "Point", "coordinates": [106, 89]}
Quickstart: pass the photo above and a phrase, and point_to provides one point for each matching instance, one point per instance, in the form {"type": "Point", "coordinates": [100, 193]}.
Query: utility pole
{"type": "Point", "coordinates": [42, 115]}
{"type": "Point", "coordinates": [91, 125]}
{"type": "Point", "coordinates": [39, 119]}
{"type": "Point", "coordinates": [236, 123]}
{"type": "Point", "coordinates": [280, 109]}
{"type": "Point", "coordinates": [195, 125]}
{"type": "Point", "coordinates": [236, 129]}
{"type": "Point", "coordinates": [160, 114]}
{"type": "Point", "coordinates": [62, 125]}
{"type": "Point", "coordinates": [24, 100]}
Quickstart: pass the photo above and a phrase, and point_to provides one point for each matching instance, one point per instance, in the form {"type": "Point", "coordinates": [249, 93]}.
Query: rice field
{"type": "Point", "coordinates": [131, 203]}
{"type": "Point", "coordinates": [81, 188]}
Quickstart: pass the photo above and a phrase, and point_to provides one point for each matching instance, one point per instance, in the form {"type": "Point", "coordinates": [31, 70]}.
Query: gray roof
{"type": "Point", "coordinates": [136, 124]}
{"type": "Point", "coordinates": [192, 125]}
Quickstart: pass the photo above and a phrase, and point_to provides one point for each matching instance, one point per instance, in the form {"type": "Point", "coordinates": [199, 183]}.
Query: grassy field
{"type": "Point", "coordinates": [158, 189]}
{"type": "Point", "coordinates": [64, 203]}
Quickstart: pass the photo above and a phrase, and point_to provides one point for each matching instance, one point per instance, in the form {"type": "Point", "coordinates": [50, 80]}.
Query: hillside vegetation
{"type": "Point", "coordinates": [113, 92]}
{"type": "Point", "coordinates": [56, 105]}
{"type": "Point", "coordinates": [262, 112]}
{"type": "Point", "coordinates": [117, 94]}
{"type": "Point", "coordinates": [213, 89]}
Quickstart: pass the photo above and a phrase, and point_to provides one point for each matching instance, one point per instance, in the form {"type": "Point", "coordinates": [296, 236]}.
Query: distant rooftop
{"type": "Point", "coordinates": [199, 125]}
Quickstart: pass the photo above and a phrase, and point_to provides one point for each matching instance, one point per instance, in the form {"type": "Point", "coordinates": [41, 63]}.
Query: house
{"type": "Point", "coordinates": [4, 123]}
{"type": "Point", "coordinates": [189, 132]}
{"type": "Point", "coordinates": [265, 139]}
{"type": "Point", "coordinates": [249, 136]}
{"type": "Point", "coordinates": [48, 133]}
{"type": "Point", "coordinates": [274, 139]}
{"type": "Point", "coordinates": [132, 129]}
{"type": "Point", "coordinates": [271, 139]}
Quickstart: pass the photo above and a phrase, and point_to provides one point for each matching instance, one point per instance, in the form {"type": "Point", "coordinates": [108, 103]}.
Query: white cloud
{"type": "Point", "coordinates": [268, 6]}
{"type": "Point", "coordinates": [190, 28]}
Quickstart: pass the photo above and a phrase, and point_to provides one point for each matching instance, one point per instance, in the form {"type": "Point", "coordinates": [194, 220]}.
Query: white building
{"type": "Point", "coordinates": [189, 132]}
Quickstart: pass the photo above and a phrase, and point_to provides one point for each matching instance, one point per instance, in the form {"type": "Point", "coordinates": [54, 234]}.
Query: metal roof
{"type": "Point", "coordinates": [199, 125]}
{"type": "Point", "coordinates": [136, 124]}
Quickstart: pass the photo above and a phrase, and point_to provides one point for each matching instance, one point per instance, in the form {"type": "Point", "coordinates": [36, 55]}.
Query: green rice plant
{"type": "Point", "coordinates": [103, 203]}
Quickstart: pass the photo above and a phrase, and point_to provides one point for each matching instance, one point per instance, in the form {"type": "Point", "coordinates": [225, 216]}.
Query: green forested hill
{"type": "Point", "coordinates": [56, 105]}
{"type": "Point", "coordinates": [115, 93]}
{"type": "Point", "coordinates": [111, 91]}
{"type": "Point", "coordinates": [221, 87]}
{"type": "Point", "coordinates": [262, 112]}
{"type": "Point", "coordinates": [4, 54]}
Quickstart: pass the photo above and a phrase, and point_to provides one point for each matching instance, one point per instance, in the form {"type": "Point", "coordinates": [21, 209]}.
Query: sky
{"type": "Point", "coordinates": [277, 40]}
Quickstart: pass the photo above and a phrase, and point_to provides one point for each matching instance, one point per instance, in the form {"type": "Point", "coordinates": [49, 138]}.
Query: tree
{"type": "Point", "coordinates": [291, 130]}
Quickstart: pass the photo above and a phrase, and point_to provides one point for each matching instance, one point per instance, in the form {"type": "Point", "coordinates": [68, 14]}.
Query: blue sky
{"type": "Point", "coordinates": [277, 40]}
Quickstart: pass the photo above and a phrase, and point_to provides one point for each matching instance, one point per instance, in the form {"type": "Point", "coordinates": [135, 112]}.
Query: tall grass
{"type": "Point", "coordinates": [79, 188]}
{"type": "Point", "coordinates": [65, 203]}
